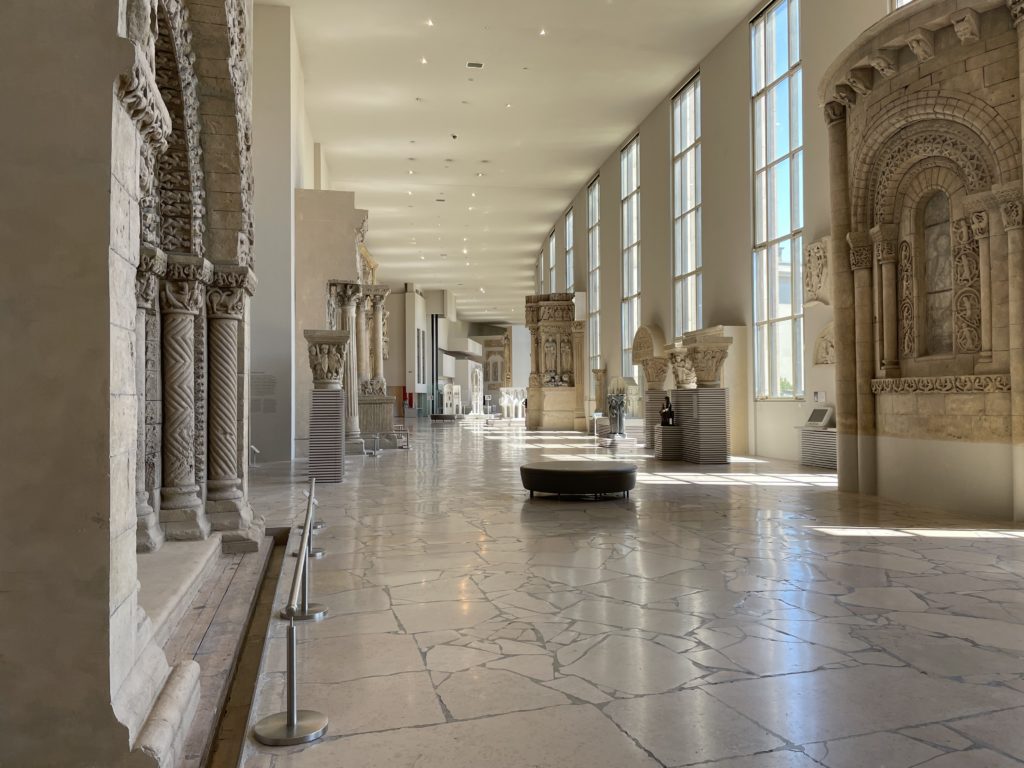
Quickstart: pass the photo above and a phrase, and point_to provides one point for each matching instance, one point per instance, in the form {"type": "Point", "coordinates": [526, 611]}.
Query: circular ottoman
{"type": "Point", "coordinates": [579, 478]}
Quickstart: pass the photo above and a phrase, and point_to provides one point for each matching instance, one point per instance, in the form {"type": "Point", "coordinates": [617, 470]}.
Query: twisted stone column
{"type": "Point", "coordinates": [226, 505]}
{"type": "Point", "coordinates": [152, 266]}
{"type": "Point", "coordinates": [842, 300]}
{"type": "Point", "coordinates": [181, 300]}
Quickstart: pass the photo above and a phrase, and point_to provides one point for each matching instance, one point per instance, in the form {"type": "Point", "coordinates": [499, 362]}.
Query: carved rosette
{"type": "Point", "coordinates": [905, 296]}
{"type": "Point", "coordinates": [966, 289]}
{"type": "Point", "coordinates": [655, 372]}
{"type": "Point", "coordinates": [327, 356]}
{"type": "Point", "coordinates": [683, 373]}
{"type": "Point", "coordinates": [817, 284]}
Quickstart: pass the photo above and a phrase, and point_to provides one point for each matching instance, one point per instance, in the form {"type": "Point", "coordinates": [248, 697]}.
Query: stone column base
{"type": "Point", "coordinates": [182, 514]}
{"type": "Point", "coordinates": [149, 536]}
{"type": "Point", "coordinates": [241, 530]}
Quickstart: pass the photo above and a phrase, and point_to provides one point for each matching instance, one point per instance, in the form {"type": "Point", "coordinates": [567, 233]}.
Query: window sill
{"type": "Point", "coordinates": [801, 399]}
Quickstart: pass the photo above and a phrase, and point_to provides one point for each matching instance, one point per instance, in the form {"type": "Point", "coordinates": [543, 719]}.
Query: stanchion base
{"type": "Point", "coordinates": [316, 553]}
{"type": "Point", "coordinates": [274, 730]}
{"type": "Point", "coordinates": [315, 612]}
{"type": "Point", "coordinates": [318, 526]}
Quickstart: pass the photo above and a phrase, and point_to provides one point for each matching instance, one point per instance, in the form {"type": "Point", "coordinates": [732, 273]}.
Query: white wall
{"type": "Point", "coordinates": [727, 213]}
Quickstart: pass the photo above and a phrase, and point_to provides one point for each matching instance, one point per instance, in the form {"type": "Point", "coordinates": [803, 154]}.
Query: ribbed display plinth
{"type": "Point", "coordinates": [654, 401]}
{"type": "Point", "coordinates": [703, 415]}
{"type": "Point", "coordinates": [818, 448]}
{"type": "Point", "coordinates": [668, 443]}
{"type": "Point", "coordinates": [327, 436]}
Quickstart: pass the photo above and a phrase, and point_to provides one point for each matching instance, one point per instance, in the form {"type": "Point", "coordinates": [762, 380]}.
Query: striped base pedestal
{"type": "Point", "coordinates": [668, 443]}
{"type": "Point", "coordinates": [703, 415]}
{"type": "Point", "coordinates": [327, 436]}
{"type": "Point", "coordinates": [654, 401]}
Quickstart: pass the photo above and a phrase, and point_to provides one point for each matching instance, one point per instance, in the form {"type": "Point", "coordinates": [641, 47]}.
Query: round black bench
{"type": "Point", "coordinates": [579, 478]}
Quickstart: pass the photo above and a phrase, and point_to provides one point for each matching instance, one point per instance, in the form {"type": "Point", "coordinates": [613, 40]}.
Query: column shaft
{"type": "Point", "coordinates": [362, 340]}
{"type": "Point", "coordinates": [864, 355]}
{"type": "Point", "coordinates": [378, 339]}
{"type": "Point", "coordinates": [351, 377]}
{"type": "Point", "coordinates": [979, 228]}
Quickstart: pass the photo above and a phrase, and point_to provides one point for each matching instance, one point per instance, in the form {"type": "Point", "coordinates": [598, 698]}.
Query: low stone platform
{"type": "Point", "coordinates": [579, 478]}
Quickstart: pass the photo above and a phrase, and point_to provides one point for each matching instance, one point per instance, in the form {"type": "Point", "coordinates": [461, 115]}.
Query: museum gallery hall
{"type": "Point", "coordinates": [544, 384]}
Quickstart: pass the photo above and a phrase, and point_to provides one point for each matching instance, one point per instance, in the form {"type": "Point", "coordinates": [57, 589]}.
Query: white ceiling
{"type": "Point", "coordinates": [575, 94]}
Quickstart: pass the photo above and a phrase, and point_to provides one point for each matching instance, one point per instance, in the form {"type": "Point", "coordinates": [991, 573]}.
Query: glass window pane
{"type": "Point", "coordinates": [677, 185]}
{"type": "Point", "coordinates": [781, 256]}
{"type": "Point", "coordinates": [782, 358]}
{"type": "Point", "coordinates": [794, 32]}
{"type": "Point", "coordinates": [779, 200]}
{"type": "Point", "coordinates": [760, 286]}
{"type": "Point", "coordinates": [798, 275]}
{"type": "Point", "coordinates": [677, 312]}
{"type": "Point", "coordinates": [778, 120]}
{"type": "Point", "coordinates": [757, 55]}
{"type": "Point", "coordinates": [759, 133]}
{"type": "Point", "coordinates": [699, 255]}
{"type": "Point", "coordinates": [761, 359]}
{"type": "Point", "coordinates": [677, 247]}
{"type": "Point", "coordinates": [798, 363]}
{"type": "Point", "coordinates": [760, 207]}
{"type": "Point", "coordinates": [696, 109]}
{"type": "Point", "coordinates": [778, 41]}
{"type": "Point", "coordinates": [796, 121]}
{"type": "Point", "coordinates": [696, 175]}
{"type": "Point", "coordinates": [798, 190]}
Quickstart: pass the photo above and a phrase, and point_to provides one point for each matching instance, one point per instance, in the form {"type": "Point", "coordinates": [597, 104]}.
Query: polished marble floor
{"type": "Point", "coordinates": [738, 617]}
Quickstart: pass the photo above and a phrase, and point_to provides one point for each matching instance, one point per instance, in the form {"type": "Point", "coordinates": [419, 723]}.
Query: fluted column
{"type": "Point", "coordinates": [884, 239]}
{"type": "Point", "coordinates": [226, 505]}
{"type": "Point", "coordinates": [152, 266]}
{"type": "Point", "coordinates": [348, 293]}
{"type": "Point", "coordinates": [362, 341]}
{"type": "Point", "coordinates": [842, 299]}
{"type": "Point", "coordinates": [860, 265]}
{"type": "Point", "coordinates": [181, 300]}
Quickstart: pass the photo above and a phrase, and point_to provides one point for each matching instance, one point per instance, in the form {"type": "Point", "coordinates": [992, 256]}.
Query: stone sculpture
{"type": "Point", "coordinates": [668, 417]}
{"type": "Point", "coordinates": [617, 414]}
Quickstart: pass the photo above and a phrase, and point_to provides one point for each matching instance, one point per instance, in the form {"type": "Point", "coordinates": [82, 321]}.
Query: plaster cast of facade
{"type": "Point", "coordinates": [556, 344]}
{"type": "Point", "coordinates": [926, 235]}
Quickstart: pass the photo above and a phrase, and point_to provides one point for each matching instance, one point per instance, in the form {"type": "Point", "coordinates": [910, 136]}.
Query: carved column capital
{"type": "Point", "coordinates": [225, 299]}
{"type": "Point", "coordinates": [655, 371]}
{"type": "Point", "coordinates": [979, 221]}
{"type": "Point", "coordinates": [835, 111]}
{"type": "Point", "coordinates": [845, 94]}
{"type": "Point", "coordinates": [1012, 214]}
{"type": "Point", "coordinates": [683, 374]}
{"type": "Point", "coordinates": [1016, 11]}
{"type": "Point", "coordinates": [967, 25]}
{"type": "Point", "coordinates": [327, 352]}
{"type": "Point", "coordinates": [376, 294]}
{"type": "Point", "coordinates": [883, 238]}
{"type": "Point", "coordinates": [346, 293]}
{"type": "Point", "coordinates": [184, 285]}
{"type": "Point", "coordinates": [860, 250]}
{"type": "Point", "coordinates": [152, 266]}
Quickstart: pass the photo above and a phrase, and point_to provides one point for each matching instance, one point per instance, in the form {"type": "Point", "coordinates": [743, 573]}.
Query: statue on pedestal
{"type": "Point", "coordinates": [617, 414]}
{"type": "Point", "coordinates": [668, 417]}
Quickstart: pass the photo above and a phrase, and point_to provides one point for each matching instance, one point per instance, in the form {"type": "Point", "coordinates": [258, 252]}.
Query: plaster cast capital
{"type": "Point", "coordinates": [184, 285]}
{"type": "Point", "coordinates": [979, 223]}
{"type": "Point", "coordinates": [344, 292]}
{"type": "Point", "coordinates": [228, 276]}
{"type": "Point", "coordinates": [327, 351]}
{"type": "Point", "coordinates": [1016, 11]}
{"type": "Point", "coordinates": [835, 111]}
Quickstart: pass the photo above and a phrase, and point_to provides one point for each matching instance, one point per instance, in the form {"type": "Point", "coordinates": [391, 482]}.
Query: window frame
{"type": "Point", "coordinates": [681, 151]}
{"type": "Point", "coordinates": [570, 256]}
{"type": "Point", "coordinates": [594, 278]}
{"type": "Point", "coordinates": [630, 252]}
{"type": "Point", "coordinates": [768, 242]}
{"type": "Point", "coordinates": [552, 264]}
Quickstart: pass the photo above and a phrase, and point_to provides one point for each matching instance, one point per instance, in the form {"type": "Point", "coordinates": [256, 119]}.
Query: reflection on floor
{"type": "Point", "coordinates": [745, 617]}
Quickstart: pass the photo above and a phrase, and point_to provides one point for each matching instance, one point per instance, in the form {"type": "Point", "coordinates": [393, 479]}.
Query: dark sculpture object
{"type": "Point", "coordinates": [668, 416]}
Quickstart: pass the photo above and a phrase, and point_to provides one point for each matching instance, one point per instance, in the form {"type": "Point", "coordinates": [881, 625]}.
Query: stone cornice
{"type": "Point", "coordinates": [999, 382]}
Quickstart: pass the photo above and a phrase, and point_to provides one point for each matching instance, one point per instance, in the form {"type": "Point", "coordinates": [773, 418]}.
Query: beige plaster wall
{"type": "Point", "coordinates": [727, 214]}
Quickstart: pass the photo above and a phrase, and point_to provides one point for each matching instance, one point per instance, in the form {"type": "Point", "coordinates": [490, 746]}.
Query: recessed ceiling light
{"type": "Point", "coordinates": [465, 250]}
{"type": "Point", "coordinates": [508, 106]}
{"type": "Point", "coordinates": [423, 258]}
{"type": "Point", "coordinates": [472, 194]}
{"type": "Point", "coordinates": [474, 65]}
{"type": "Point", "coordinates": [430, 22]}
{"type": "Point", "coordinates": [467, 263]}
{"type": "Point", "coordinates": [423, 60]}
{"type": "Point", "coordinates": [482, 289]}
{"type": "Point", "coordinates": [411, 171]}
{"type": "Point", "coordinates": [471, 207]}
{"type": "Point", "coordinates": [543, 32]}
{"type": "Point", "coordinates": [465, 239]}
{"type": "Point", "coordinates": [408, 191]}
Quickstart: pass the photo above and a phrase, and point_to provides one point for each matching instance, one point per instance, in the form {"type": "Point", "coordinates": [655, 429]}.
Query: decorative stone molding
{"type": "Point", "coordinates": [883, 238]}
{"type": "Point", "coordinates": [979, 224]}
{"type": "Point", "coordinates": [1012, 214]}
{"type": "Point", "coordinates": [817, 279]}
{"type": "Point", "coordinates": [861, 80]}
{"type": "Point", "coordinates": [845, 95]}
{"type": "Point", "coordinates": [683, 374]}
{"type": "Point", "coordinates": [183, 288]}
{"type": "Point", "coordinates": [238, 67]}
{"type": "Point", "coordinates": [966, 289]}
{"type": "Point", "coordinates": [648, 342]}
{"type": "Point", "coordinates": [708, 350]}
{"type": "Point", "coordinates": [825, 346]}
{"type": "Point", "coordinates": [905, 297]}
{"type": "Point", "coordinates": [861, 250]}
{"type": "Point", "coordinates": [138, 94]}
{"type": "Point", "coordinates": [967, 25]}
{"type": "Point", "coordinates": [922, 43]}
{"type": "Point", "coordinates": [942, 384]}
{"type": "Point", "coordinates": [1016, 11]}
{"type": "Point", "coordinates": [884, 62]}
{"type": "Point", "coordinates": [327, 351]}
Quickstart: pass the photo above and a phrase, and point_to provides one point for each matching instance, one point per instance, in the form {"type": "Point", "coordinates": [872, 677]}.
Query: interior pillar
{"type": "Point", "coordinates": [152, 265]}
{"type": "Point", "coordinates": [861, 252]}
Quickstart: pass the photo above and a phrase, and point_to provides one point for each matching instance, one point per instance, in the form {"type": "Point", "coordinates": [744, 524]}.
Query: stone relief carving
{"type": "Point", "coordinates": [825, 346]}
{"type": "Point", "coordinates": [861, 80]}
{"type": "Point", "coordinates": [966, 289]}
{"type": "Point", "coordinates": [922, 43]}
{"type": "Point", "coordinates": [942, 384]}
{"type": "Point", "coordinates": [386, 339]}
{"type": "Point", "coordinates": [860, 257]}
{"type": "Point", "coordinates": [817, 281]}
{"type": "Point", "coordinates": [238, 65]}
{"type": "Point", "coordinates": [884, 62]}
{"type": "Point", "coordinates": [966, 25]}
{"type": "Point", "coordinates": [326, 362]}
{"type": "Point", "coordinates": [683, 374]}
{"type": "Point", "coordinates": [905, 277]}
{"type": "Point", "coordinates": [929, 139]}
{"type": "Point", "coordinates": [1016, 10]}
{"type": "Point", "coordinates": [707, 363]}
{"type": "Point", "coordinates": [655, 371]}
{"type": "Point", "coordinates": [845, 94]}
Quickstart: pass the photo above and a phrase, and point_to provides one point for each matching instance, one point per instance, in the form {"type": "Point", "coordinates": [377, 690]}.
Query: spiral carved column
{"type": "Point", "coordinates": [226, 505]}
{"type": "Point", "coordinates": [181, 300]}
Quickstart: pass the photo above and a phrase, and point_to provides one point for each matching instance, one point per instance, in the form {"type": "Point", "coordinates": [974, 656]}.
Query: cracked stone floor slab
{"type": "Point", "coordinates": [745, 616]}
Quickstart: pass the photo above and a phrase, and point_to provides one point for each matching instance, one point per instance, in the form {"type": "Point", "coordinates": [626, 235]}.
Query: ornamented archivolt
{"type": "Point", "coordinates": [238, 64]}
{"type": "Point", "coordinates": [942, 384]}
{"type": "Point", "coordinates": [905, 277]}
{"type": "Point", "coordinates": [817, 287]}
{"type": "Point", "coordinates": [825, 346]}
{"type": "Point", "coordinates": [927, 140]}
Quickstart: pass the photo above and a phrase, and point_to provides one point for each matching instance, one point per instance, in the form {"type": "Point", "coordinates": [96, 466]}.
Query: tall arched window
{"type": "Point", "coordinates": [938, 276]}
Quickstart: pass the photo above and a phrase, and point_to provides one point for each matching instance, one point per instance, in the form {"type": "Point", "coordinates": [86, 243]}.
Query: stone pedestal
{"type": "Point", "coordinates": [703, 416]}
{"type": "Point", "coordinates": [327, 357]}
{"type": "Point", "coordinates": [377, 417]}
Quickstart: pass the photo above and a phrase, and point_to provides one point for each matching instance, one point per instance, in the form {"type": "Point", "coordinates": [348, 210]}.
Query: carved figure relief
{"type": "Point", "coordinates": [817, 286]}
{"type": "Point", "coordinates": [825, 346]}
{"type": "Point", "coordinates": [966, 290]}
{"type": "Point", "coordinates": [683, 373]}
{"type": "Point", "coordinates": [550, 356]}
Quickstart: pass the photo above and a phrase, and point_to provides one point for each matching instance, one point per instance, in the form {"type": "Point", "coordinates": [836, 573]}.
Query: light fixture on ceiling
{"type": "Point", "coordinates": [482, 289]}
{"type": "Point", "coordinates": [411, 171]}
{"type": "Point", "coordinates": [470, 208]}
{"type": "Point", "coordinates": [472, 194]}
{"type": "Point", "coordinates": [467, 263]}
{"type": "Point", "coordinates": [423, 60]}
{"type": "Point", "coordinates": [408, 191]}
{"type": "Point", "coordinates": [508, 106]}
{"type": "Point", "coordinates": [543, 32]}
{"type": "Point", "coordinates": [474, 65]}
{"type": "Point", "coordinates": [423, 258]}
{"type": "Point", "coordinates": [430, 22]}
{"type": "Point", "coordinates": [465, 250]}
{"type": "Point", "coordinates": [479, 174]}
